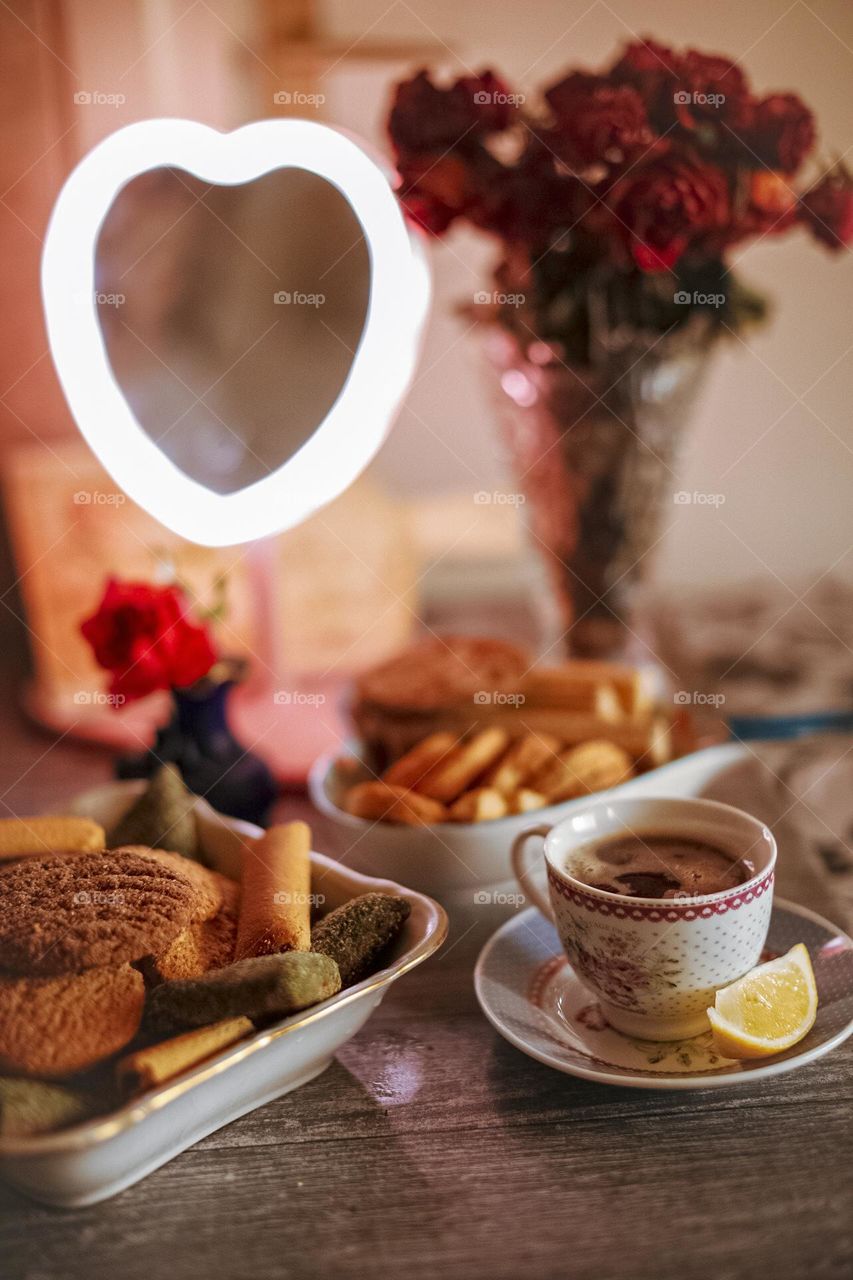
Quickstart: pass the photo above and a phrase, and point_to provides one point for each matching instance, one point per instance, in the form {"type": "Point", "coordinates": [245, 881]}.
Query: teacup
{"type": "Point", "coordinates": [655, 964]}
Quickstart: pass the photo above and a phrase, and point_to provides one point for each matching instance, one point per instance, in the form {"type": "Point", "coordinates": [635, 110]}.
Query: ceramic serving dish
{"type": "Point", "coordinates": [93, 1160]}
{"type": "Point", "coordinates": [454, 861]}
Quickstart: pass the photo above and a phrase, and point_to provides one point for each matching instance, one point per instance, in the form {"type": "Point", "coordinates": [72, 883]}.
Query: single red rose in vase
{"type": "Point", "coordinates": [144, 636]}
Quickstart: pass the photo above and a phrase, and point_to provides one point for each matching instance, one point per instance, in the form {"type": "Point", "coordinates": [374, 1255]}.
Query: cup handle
{"type": "Point", "coordinates": [522, 871]}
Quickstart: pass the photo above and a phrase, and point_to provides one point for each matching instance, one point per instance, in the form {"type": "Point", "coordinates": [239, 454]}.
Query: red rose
{"type": "Point", "coordinates": [827, 208]}
{"type": "Point", "coordinates": [597, 122]}
{"type": "Point", "coordinates": [666, 205]}
{"type": "Point", "coordinates": [782, 132]}
{"type": "Point", "coordinates": [711, 91]}
{"type": "Point", "coordinates": [425, 117]}
{"type": "Point", "coordinates": [652, 69]}
{"type": "Point", "coordinates": [143, 636]}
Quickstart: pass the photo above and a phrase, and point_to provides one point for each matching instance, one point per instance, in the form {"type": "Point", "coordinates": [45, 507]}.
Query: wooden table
{"type": "Point", "coordinates": [432, 1148]}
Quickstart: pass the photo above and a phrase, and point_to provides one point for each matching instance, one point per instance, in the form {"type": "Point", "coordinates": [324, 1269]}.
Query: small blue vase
{"type": "Point", "coordinates": [213, 763]}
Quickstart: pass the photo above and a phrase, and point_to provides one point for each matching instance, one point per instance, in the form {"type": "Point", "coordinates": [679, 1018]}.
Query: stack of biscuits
{"type": "Point", "coordinates": [467, 729]}
{"type": "Point", "coordinates": [79, 932]}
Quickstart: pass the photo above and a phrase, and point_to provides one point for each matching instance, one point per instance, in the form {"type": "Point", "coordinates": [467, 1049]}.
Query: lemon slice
{"type": "Point", "coordinates": [768, 1009]}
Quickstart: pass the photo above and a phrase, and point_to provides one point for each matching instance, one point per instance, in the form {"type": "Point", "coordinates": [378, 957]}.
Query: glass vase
{"type": "Point", "coordinates": [594, 453]}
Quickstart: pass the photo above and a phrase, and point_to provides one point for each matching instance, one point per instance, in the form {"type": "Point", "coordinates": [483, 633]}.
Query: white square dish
{"type": "Point", "coordinates": [93, 1160]}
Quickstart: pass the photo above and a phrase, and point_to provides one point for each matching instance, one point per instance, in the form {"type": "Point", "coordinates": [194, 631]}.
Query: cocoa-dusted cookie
{"type": "Point", "coordinates": [208, 884]}
{"type": "Point", "coordinates": [205, 945]}
{"type": "Point", "coordinates": [62, 915]}
{"type": "Point", "coordinates": [54, 1027]}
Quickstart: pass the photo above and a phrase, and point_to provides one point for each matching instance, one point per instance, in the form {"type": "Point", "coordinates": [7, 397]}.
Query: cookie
{"type": "Point", "coordinates": [443, 671]}
{"type": "Point", "coordinates": [63, 915]}
{"type": "Point", "coordinates": [57, 1026]}
{"type": "Point", "coordinates": [208, 884]}
{"type": "Point", "coordinates": [206, 945]}
{"type": "Point", "coordinates": [162, 817]}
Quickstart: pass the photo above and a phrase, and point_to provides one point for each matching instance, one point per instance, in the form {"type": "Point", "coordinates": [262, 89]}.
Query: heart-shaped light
{"type": "Point", "coordinates": [358, 421]}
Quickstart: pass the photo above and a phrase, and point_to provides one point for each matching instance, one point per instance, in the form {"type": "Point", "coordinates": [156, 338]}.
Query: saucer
{"type": "Point", "coordinates": [532, 996]}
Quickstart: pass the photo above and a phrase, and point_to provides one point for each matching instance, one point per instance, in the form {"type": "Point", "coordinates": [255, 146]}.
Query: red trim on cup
{"type": "Point", "coordinates": [673, 911]}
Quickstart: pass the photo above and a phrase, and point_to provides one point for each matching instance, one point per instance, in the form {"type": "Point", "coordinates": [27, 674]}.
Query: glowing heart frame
{"type": "Point", "coordinates": [360, 418]}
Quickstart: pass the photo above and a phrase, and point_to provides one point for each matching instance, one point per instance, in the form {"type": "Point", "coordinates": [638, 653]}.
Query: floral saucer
{"type": "Point", "coordinates": [532, 996]}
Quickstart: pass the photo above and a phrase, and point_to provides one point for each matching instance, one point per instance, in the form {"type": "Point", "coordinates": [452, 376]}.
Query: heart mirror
{"type": "Point", "coordinates": [234, 318]}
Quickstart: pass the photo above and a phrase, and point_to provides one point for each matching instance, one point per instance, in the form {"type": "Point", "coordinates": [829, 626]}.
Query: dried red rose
{"type": "Point", "coordinates": [666, 205]}
{"type": "Point", "coordinates": [596, 121]}
{"type": "Point", "coordinates": [144, 637]}
{"type": "Point", "coordinates": [424, 117]}
{"type": "Point", "coordinates": [782, 132]}
{"type": "Point", "coordinates": [712, 93]}
{"type": "Point", "coordinates": [827, 208]}
{"type": "Point", "coordinates": [653, 70]}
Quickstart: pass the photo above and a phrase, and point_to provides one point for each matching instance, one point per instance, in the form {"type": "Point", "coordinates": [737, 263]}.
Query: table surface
{"type": "Point", "coordinates": [432, 1147]}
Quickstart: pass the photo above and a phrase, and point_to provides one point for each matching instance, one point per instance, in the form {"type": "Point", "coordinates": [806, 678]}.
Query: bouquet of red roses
{"type": "Point", "coordinates": [620, 195]}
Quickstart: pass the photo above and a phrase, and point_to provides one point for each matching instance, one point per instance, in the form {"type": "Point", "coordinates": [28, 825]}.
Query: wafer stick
{"type": "Point", "coordinates": [463, 765]}
{"type": "Point", "coordinates": [568, 684]}
{"type": "Point", "coordinates": [379, 800]}
{"type": "Point", "coordinates": [159, 1062]}
{"type": "Point", "coordinates": [524, 758]}
{"type": "Point", "coordinates": [410, 768]}
{"type": "Point", "coordinates": [275, 907]}
{"type": "Point", "coordinates": [20, 837]}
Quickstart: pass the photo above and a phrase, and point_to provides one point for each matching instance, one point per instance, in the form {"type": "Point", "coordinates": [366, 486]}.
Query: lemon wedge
{"type": "Point", "coordinates": [767, 1010]}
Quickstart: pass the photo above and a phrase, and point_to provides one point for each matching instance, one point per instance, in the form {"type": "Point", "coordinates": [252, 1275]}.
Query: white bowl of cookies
{"type": "Point", "coordinates": [464, 743]}
{"type": "Point", "coordinates": [147, 998]}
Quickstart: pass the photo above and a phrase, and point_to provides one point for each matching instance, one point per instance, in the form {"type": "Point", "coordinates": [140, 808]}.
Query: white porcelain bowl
{"type": "Point", "coordinates": [91, 1161]}
{"type": "Point", "coordinates": [453, 861]}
